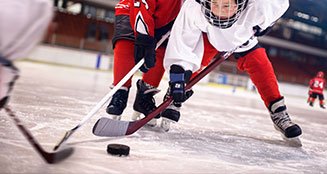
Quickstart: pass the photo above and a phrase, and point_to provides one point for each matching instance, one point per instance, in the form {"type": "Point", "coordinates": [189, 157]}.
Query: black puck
{"type": "Point", "coordinates": [118, 149]}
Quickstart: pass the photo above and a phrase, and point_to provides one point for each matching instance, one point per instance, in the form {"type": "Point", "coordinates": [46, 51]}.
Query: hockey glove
{"type": "Point", "coordinates": [178, 79]}
{"type": "Point", "coordinates": [260, 32]}
{"type": "Point", "coordinates": [8, 76]}
{"type": "Point", "coordinates": [145, 46]}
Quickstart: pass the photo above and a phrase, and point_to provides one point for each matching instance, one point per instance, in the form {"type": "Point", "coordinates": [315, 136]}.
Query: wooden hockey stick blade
{"type": "Point", "coordinates": [49, 157]}
{"type": "Point", "coordinates": [111, 128]}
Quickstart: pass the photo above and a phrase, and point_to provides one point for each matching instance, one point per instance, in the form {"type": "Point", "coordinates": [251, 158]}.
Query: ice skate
{"type": "Point", "coordinates": [144, 102]}
{"type": "Point", "coordinates": [118, 103]}
{"type": "Point", "coordinates": [282, 122]}
{"type": "Point", "coordinates": [311, 104]}
{"type": "Point", "coordinates": [322, 106]}
{"type": "Point", "coordinates": [8, 75]}
{"type": "Point", "coordinates": [169, 115]}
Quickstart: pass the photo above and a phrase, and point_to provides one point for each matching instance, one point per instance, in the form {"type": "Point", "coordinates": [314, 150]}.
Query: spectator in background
{"type": "Point", "coordinates": [22, 26]}
{"type": "Point", "coordinates": [316, 89]}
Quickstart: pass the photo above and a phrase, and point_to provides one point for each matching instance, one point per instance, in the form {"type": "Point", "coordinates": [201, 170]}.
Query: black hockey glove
{"type": "Point", "coordinates": [178, 79]}
{"type": "Point", "coordinates": [145, 46]}
{"type": "Point", "coordinates": [260, 32]}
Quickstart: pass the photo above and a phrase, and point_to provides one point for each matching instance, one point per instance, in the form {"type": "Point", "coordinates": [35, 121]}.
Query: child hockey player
{"type": "Point", "coordinates": [316, 89]}
{"type": "Point", "coordinates": [229, 24]}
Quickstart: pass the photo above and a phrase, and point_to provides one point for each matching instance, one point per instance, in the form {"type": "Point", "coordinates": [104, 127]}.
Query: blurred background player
{"type": "Point", "coordinates": [316, 89]}
{"type": "Point", "coordinates": [138, 26]}
{"type": "Point", "coordinates": [229, 24]}
{"type": "Point", "coordinates": [22, 26]}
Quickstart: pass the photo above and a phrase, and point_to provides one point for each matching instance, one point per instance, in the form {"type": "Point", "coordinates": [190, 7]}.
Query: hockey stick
{"type": "Point", "coordinates": [110, 128]}
{"type": "Point", "coordinates": [109, 95]}
{"type": "Point", "coordinates": [49, 157]}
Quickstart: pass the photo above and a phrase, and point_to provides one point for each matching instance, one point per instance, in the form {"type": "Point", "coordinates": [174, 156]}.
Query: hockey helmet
{"type": "Point", "coordinates": [222, 13]}
{"type": "Point", "coordinates": [320, 74]}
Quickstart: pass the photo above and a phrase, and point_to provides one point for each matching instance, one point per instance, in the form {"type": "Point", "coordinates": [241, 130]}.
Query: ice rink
{"type": "Point", "coordinates": [219, 131]}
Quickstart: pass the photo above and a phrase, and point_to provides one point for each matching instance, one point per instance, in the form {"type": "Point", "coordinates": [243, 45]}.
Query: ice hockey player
{"type": "Point", "coordinates": [138, 26]}
{"type": "Point", "coordinates": [22, 26]}
{"type": "Point", "coordinates": [316, 89]}
{"type": "Point", "coordinates": [123, 47]}
{"type": "Point", "coordinates": [149, 23]}
{"type": "Point", "coordinates": [229, 24]}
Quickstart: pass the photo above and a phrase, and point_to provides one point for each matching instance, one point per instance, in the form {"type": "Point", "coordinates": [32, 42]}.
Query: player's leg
{"type": "Point", "coordinates": [260, 70]}
{"type": "Point", "coordinates": [321, 101]}
{"type": "Point", "coordinates": [147, 87]}
{"type": "Point", "coordinates": [123, 43]}
{"type": "Point", "coordinates": [309, 96]}
{"type": "Point", "coordinates": [172, 113]}
{"type": "Point", "coordinates": [123, 63]}
{"type": "Point", "coordinates": [313, 97]}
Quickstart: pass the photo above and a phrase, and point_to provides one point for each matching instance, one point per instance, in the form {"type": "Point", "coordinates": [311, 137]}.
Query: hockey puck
{"type": "Point", "coordinates": [118, 149]}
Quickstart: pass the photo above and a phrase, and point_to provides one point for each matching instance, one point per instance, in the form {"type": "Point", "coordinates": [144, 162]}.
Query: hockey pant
{"type": "Point", "coordinates": [260, 70]}
{"type": "Point", "coordinates": [257, 65]}
{"type": "Point", "coordinates": [208, 55]}
{"type": "Point", "coordinates": [124, 62]}
{"type": "Point", "coordinates": [314, 95]}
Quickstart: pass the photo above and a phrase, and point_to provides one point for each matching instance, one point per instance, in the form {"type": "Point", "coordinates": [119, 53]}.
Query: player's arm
{"type": "Point", "coordinates": [270, 13]}
{"type": "Point", "coordinates": [184, 52]}
{"type": "Point", "coordinates": [144, 25]}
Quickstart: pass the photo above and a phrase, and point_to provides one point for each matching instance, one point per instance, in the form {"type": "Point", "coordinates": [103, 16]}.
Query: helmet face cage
{"type": "Point", "coordinates": [217, 21]}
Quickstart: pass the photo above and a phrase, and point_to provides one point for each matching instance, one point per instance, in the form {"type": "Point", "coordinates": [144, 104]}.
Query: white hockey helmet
{"type": "Point", "coordinates": [219, 21]}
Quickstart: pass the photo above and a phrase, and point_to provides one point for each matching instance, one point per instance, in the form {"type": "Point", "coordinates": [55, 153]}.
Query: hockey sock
{"type": "Point", "coordinates": [123, 60]}
{"type": "Point", "coordinates": [154, 75]}
{"type": "Point", "coordinates": [209, 53]}
{"type": "Point", "coordinates": [321, 102]}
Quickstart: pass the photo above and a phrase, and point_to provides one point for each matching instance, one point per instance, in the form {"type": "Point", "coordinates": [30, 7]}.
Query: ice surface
{"type": "Point", "coordinates": [219, 131]}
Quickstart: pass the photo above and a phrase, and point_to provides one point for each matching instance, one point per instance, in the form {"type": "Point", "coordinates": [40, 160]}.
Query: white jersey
{"type": "Point", "coordinates": [185, 46]}
{"type": "Point", "coordinates": [22, 25]}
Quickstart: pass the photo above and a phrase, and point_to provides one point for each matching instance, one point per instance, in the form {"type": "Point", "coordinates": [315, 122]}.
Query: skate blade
{"type": "Point", "coordinates": [115, 117]}
{"type": "Point", "coordinates": [292, 142]}
{"type": "Point", "coordinates": [165, 124]}
{"type": "Point", "coordinates": [152, 123]}
{"type": "Point", "coordinates": [157, 129]}
{"type": "Point", "coordinates": [136, 116]}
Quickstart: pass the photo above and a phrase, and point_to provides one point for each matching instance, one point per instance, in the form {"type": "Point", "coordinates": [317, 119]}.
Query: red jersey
{"type": "Point", "coordinates": [317, 85]}
{"type": "Point", "coordinates": [123, 7]}
{"type": "Point", "coordinates": [148, 15]}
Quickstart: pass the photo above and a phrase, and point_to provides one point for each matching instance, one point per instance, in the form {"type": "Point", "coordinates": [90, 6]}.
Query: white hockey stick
{"type": "Point", "coordinates": [109, 95]}
{"type": "Point", "coordinates": [49, 157]}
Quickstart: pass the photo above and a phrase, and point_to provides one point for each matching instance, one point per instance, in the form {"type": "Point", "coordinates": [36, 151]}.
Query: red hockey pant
{"type": "Point", "coordinates": [124, 62]}
{"type": "Point", "coordinates": [260, 70]}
